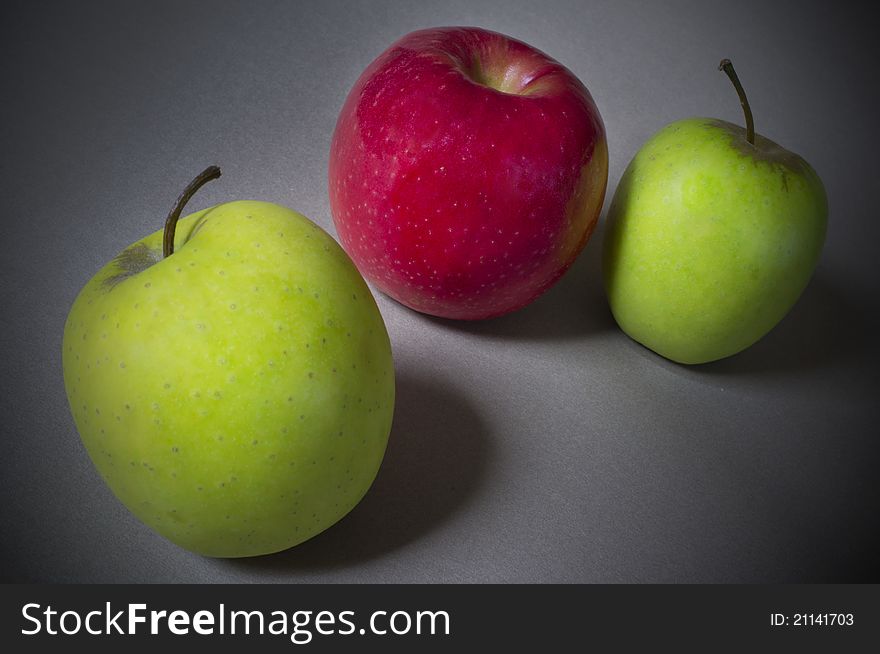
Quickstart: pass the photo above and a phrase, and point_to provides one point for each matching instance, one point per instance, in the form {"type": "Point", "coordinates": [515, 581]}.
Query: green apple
{"type": "Point", "coordinates": [234, 386]}
{"type": "Point", "coordinates": [712, 235]}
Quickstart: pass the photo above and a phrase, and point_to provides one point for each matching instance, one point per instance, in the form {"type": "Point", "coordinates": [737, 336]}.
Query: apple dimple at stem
{"type": "Point", "coordinates": [504, 66]}
{"type": "Point", "coordinates": [139, 257]}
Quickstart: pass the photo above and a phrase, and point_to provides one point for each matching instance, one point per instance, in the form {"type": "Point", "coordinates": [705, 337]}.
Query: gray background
{"type": "Point", "coordinates": [543, 446]}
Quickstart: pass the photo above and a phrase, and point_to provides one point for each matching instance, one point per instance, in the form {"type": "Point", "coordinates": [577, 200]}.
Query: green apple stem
{"type": "Point", "coordinates": [727, 67]}
{"type": "Point", "coordinates": [209, 173]}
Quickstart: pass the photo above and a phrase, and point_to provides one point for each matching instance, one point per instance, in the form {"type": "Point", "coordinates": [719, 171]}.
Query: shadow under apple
{"type": "Point", "coordinates": [825, 327]}
{"type": "Point", "coordinates": [437, 454]}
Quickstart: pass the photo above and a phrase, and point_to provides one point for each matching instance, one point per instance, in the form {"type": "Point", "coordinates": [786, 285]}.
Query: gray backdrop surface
{"type": "Point", "coordinates": [543, 446]}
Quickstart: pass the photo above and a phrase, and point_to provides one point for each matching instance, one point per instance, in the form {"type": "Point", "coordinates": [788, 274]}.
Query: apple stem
{"type": "Point", "coordinates": [209, 173]}
{"type": "Point", "coordinates": [727, 67]}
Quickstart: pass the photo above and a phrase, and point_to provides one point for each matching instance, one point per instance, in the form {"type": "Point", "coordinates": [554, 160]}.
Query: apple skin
{"type": "Point", "coordinates": [710, 240]}
{"type": "Point", "coordinates": [236, 396]}
{"type": "Point", "coordinates": [467, 172]}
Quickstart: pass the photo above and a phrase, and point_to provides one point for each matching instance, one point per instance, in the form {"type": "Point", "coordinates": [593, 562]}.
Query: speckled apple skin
{"type": "Point", "coordinates": [458, 199]}
{"type": "Point", "coordinates": [710, 240]}
{"type": "Point", "coordinates": [236, 396]}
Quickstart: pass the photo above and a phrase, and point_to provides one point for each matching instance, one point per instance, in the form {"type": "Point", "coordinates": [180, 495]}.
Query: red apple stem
{"type": "Point", "coordinates": [727, 67]}
{"type": "Point", "coordinates": [209, 173]}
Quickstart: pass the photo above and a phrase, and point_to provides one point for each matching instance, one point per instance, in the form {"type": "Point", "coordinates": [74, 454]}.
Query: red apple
{"type": "Point", "coordinates": [467, 172]}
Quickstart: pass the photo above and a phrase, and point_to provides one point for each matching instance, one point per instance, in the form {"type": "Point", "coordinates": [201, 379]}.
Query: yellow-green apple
{"type": "Point", "coordinates": [467, 172]}
{"type": "Point", "coordinates": [712, 235]}
{"type": "Point", "coordinates": [231, 378]}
